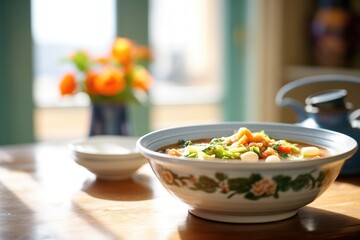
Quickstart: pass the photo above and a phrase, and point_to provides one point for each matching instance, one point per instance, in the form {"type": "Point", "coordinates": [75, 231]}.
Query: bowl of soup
{"type": "Point", "coordinates": [246, 172]}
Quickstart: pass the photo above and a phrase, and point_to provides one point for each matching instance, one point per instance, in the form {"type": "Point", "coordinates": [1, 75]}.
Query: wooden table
{"type": "Point", "coordinates": [44, 194]}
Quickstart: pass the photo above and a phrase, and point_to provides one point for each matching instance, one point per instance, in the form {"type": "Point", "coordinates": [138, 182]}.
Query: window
{"type": "Point", "coordinates": [185, 37]}
{"type": "Point", "coordinates": [187, 64]}
{"type": "Point", "coordinates": [60, 27]}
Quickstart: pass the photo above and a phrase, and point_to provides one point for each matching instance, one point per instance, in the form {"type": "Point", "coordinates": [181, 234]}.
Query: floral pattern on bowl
{"type": "Point", "coordinates": [246, 192]}
{"type": "Point", "coordinates": [253, 187]}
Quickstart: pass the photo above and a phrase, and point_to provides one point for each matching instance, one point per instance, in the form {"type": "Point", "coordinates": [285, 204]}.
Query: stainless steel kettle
{"type": "Point", "coordinates": [326, 109]}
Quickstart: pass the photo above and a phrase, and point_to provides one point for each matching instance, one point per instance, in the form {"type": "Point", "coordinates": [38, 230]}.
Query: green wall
{"type": "Point", "coordinates": [16, 74]}
{"type": "Point", "coordinates": [133, 22]}
{"type": "Point", "coordinates": [234, 100]}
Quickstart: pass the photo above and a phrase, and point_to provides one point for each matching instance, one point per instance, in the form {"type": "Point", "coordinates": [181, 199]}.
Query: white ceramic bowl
{"type": "Point", "coordinates": [246, 192]}
{"type": "Point", "coordinates": [109, 157]}
{"type": "Point", "coordinates": [106, 147]}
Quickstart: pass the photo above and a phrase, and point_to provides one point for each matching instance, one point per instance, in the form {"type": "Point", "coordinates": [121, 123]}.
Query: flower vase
{"type": "Point", "coordinates": [109, 119]}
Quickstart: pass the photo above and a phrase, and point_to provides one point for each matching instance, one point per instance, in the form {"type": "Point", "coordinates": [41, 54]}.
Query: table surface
{"type": "Point", "coordinates": [44, 194]}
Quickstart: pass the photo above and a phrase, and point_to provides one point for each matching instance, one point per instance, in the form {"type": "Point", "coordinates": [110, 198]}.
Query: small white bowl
{"type": "Point", "coordinates": [246, 192]}
{"type": "Point", "coordinates": [106, 147]}
{"type": "Point", "coordinates": [109, 157]}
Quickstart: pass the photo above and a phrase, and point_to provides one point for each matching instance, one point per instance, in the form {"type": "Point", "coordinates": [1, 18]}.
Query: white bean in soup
{"type": "Point", "coordinates": [249, 156]}
{"type": "Point", "coordinates": [247, 146]}
{"type": "Point", "coordinates": [310, 151]}
{"type": "Point", "coordinates": [272, 158]}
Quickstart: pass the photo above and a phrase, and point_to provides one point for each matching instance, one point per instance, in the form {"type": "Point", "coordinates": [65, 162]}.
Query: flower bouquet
{"type": "Point", "coordinates": [111, 82]}
{"type": "Point", "coordinates": [120, 76]}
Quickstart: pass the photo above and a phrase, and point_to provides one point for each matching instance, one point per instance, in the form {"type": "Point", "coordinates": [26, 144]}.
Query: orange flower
{"type": "Point", "coordinates": [110, 82]}
{"type": "Point", "coordinates": [102, 60]}
{"type": "Point", "coordinates": [143, 53]}
{"type": "Point", "coordinates": [142, 78]}
{"type": "Point", "coordinates": [113, 76]}
{"type": "Point", "coordinates": [122, 50]}
{"type": "Point", "coordinates": [90, 82]}
{"type": "Point", "coordinates": [68, 84]}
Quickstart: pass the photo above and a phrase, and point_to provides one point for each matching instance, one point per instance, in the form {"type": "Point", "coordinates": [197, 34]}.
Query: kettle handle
{"type": "Point", "coordinates": [353, 118]}
{"type": "Point", "coordinates": [281, 101]}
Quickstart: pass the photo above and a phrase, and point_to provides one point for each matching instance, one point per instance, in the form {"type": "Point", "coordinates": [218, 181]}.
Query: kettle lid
{"type": "Point", "coordinates": [327, 100]}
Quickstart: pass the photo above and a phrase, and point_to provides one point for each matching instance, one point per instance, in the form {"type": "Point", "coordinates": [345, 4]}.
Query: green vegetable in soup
{"type": "Point", "coordinates": [241, 142]}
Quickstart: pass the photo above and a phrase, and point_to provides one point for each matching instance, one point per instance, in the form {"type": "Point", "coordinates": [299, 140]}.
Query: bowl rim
{"type": "Point", "coordinates": [126, 142]}
{"type": "Point", "coordinates": [144, 141]}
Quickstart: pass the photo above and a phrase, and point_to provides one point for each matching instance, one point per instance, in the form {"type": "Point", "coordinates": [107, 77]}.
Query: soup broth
{"type": "Point", "coordinates": [247, 146]}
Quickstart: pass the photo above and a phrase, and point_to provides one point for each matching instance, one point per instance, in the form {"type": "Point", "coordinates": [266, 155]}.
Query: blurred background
{"type": "Point", "coordinates": [218, 60]}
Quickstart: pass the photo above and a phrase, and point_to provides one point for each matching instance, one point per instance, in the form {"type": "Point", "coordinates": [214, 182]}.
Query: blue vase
{"type": "Point", "coordinates": [109, 119]}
